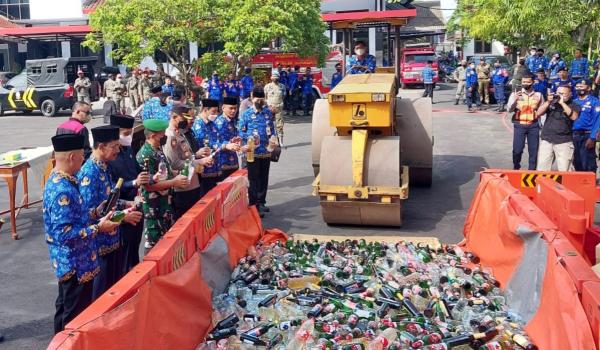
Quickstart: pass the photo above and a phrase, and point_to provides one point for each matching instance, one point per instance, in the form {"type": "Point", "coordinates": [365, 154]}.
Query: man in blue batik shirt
{"type": "Point", "coordinates": [95, 185]}
{"type": "Point", "coordinates": [361, 62]}
{"type": "Point", "coordinates": [579, 66]}
{"type": "Point", "coordinates": [157, 107]}
{"type": "Point", "coordinates": [247, 83]}
{"type": "Point", "coordinates": [228, 138]}
{"type": "Point", "coordinates": [257, 123]}
{"type": "Point", "coordinates": [70, 234]}
{"type": "Point", "coordinates": [207, 136]}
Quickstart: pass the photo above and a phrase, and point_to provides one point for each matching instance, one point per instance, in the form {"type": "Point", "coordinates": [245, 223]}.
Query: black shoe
{"type": "Point", "coordinates": [456, 102]}
{"type": "Point", "coordinates": [264, 208]}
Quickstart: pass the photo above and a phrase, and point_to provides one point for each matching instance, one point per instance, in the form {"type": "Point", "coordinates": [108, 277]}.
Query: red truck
{"type": "Point", "coordinates": [413, 60]}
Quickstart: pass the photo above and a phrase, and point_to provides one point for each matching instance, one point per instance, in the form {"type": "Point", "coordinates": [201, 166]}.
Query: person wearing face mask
{"type": "Point", "coordinates": [580, 67]}
{"type": "Point", "coordinates": [555, 64]}
{"type": "Point", "coordinates": [306, 87]}
{"type": "Point", "coordinates": [159, 106]}
{"type": "Point", "coordinates": [525, 104]}
{"type": "Point", "coordinates": [126, 168]}
{"type": "Point", "coordinates": [361, 62]}
{"type": "Point", "coordinates": [81, 115]}
{"type": "Point", "coordinates": [563, 80]}
{"type": "Point", "coordinates": [541, 84]}
{"type": "Point", "coordinates": [536, 60]}
{"type": "Point", "coordinates": [585, 128]}
{"type": "Point", "coordinates": [337, 76]}
{"type": "Point", "coordinates": [483, 80]}
{"type": "Point", "coordinates": [207, 135]}
{"type": "Point", "coordinates": [472, 87]}
{"type": "Point", "coordinates": [228, 137]}
{"type": "Point", "coordinates": [517, 72]}
{"type": "Point", "coordinates": [460, 77]}
{"type": "Point", "coordinates": [179, 154]}
{"type": "Point", "coordinates": [556, 139]}
{"type": "Point", "coordinates": [158, 193]}
{"type": "Point", "coordinates": [69, 232]}
{"type": "Point", "coordinates": [499, 79]}
{"type": "Point", "coordinates": [292, 90]}
{"type": "Point", "coordinates": [274, 92]}
{"type": "Point", "coordinates": [95, 185]}
{"type": "Point", "coordinates": [257, 123]}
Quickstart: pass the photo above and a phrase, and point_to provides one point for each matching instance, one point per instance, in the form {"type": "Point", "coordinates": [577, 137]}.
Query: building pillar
{"type": "Point", "coordinates": [193, 51]}
{"type": "Point", "coordinates": [373, 44]}
{"type": "Point", "coordinates": [107, 55]}
{"type": "Point", "coordinates": [65, 47]}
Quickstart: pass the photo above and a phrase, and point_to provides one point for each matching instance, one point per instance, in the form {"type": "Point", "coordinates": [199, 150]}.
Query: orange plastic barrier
{"type": "Point", "coordinates": [590, 241]}
{"type": "Point", "coordinates": [206, 216]}
{"type": "Point", "coordinates": [590, 299]}
{"type": "Point", "coordinates": [242, 233]}
{"type": "Point", "coordinates": [502, 226]}
{"type": "Point", "coordinates": [124, 289]}
{"type": "Point", "coordinates": [175, 248]}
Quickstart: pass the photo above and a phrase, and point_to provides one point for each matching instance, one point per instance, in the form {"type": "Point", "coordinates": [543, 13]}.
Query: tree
{"type": "Point", "coordinates": [557, 24]}
{"type": "Point", "coordinates": [139, 28]}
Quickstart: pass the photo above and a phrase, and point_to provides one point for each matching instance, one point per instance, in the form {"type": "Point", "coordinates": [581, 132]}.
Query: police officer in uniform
{"type": "Point", "coordinates": [472, 87]}
{"type": "Point", "coordinates": [158, 201]}
{"type": "Point", "coordinates": [133, 89]}
{"type": "Point", "coordinates": [585, 128]}
{"type": "Point", "coordinates": [257, 123]}
{"type": "Point", "coordinates": [109, 87]}
{"type": "Point", "coordinates": [144, 86]}
{"type": "Point", "coordinates": [499, 79]}
{"type": "Point", "coordinates": [70, 234]}
{"type": "Point", "coordinates": [126, 168]}
{"type": "Point", "coordinates": [206, 133]}
{"type": "Point", "coordinates": [274, 92]}
{"type": "Point", "coordinates": [82, 86]}
{"type": "Point", "coordinates": [95, 185]}
{"type": "Point", "coordinates": [563, 80]}
{"type": "Point", "coordinates": [119, 93]}
{"type": "Point", "coordinates": [180, 155]}
{"type": "Point", "coordinates": [460, 77]}
{"type": "Point", "coordinates": [229, 138]}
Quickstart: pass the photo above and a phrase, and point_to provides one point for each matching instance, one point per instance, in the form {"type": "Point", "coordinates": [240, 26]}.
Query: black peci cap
{"type": "Point", "coordinates": [156, 90]}
{"type": "Point", "coordinates": [232, 101]}
{"type": "Point", "coordinates": [180, 109]}
{"type": "Point", "coordinates": [258, 92]}
{"type": "Point", "coordinates": [209, 103]}
{"type": "Point", "coordinates": [105, 133]}
{"type": "Point", "coordinates": [122, 121]}
{"type": "Point", "coordinates": [67, 142]}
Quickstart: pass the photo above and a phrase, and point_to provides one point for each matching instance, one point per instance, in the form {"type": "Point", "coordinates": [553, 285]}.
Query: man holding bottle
{"type": "Point", "coordinates": [158, 202]}
{"type": "Point", "coordinates": [229, 138]}
{"type": "Point", "coordinates": [206, 133]}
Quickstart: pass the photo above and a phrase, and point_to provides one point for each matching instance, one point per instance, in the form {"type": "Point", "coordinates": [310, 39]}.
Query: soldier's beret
{"type": "Point", "coordinates": [67, 142]}
{"type": "Point", "coordinates": [258, 92]}
{"type": "Point", "coordinates": [209, 103]}
{"type": "Point", "coordinates": [105, 133]}
{"type": "Point", "coordinates": [232, 101]}
{"type": "Point", "coordinates": [156, 125]}
{"type": "Point", "coordinates": [156, 89]}
{"type": "Point", "coordinates": [122, 121]}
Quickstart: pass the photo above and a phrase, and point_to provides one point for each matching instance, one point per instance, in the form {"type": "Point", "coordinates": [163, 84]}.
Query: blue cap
{"type": "Point", "coordinates": [584, 81]}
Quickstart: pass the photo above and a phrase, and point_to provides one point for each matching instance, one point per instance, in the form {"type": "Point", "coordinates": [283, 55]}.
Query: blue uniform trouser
{"type": "Point", "coordinates": [583, 159]}
{"type": "Point", "coordinates": [523, 132]}
{"type": "Point", "coordinates": [307, 102]}
{"type": "Point", "coordinates": [473, 96]}
{"type": "Point", "coordinates": [110, 272]}
{"type": "Point", "coordinates": [499, 94]}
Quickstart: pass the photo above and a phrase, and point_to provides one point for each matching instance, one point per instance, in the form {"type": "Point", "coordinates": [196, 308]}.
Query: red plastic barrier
{"type": "Point", "coordinates": [590, 241]}
{"type": "Point", "coordinates": [590, 298]}
{"type": "Point", "coordinates": [573, 262]}
{"type": "Point", "coordinates": [175, 248]}
{"type": "Point", "coordinates": [235, 197]}
{"type": "Point", "coordinates": [124, 289]}
{"type": "Point", "coordinates": [206, 215]}
{"type": "Point", "coordinates": [244, 232]}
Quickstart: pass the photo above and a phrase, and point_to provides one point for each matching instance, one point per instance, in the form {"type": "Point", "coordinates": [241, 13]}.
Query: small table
{"type": "Point", "coordinates": [10, 174]}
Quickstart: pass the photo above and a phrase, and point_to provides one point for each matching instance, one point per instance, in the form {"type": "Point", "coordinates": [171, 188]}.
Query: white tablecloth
{"type": "Point", "coordinates": [37, 158]}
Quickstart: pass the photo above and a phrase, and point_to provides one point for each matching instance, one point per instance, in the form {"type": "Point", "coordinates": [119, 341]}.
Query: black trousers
{"type": "Point", "coordinates": [131, 237]}
{"type": "Point", "coordinates": [258, 176]}
{"type": "Point", "coordinates": [226, 174]}
{"type": "Point", "coordinates": [429, 90]}
{"type": "Point", "coordinates": [111, 271]}
{"type": "Point", "coordinates": [183, 201]}
{"type": "Point", "coordinates": [207, 184]}
{"type": "Point", "coordinates": [73, 298]}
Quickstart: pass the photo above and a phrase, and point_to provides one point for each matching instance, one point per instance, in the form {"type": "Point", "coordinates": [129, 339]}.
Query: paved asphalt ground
{"type": "Point", "coordinates": [464, 143]}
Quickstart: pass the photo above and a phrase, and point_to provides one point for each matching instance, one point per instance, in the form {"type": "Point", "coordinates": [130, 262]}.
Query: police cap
{"type": "Point", "coordinates": [583, 81]}
{"type": "Point", "coordinates": [209, 103]}
{"type": "Point", "coordinates": [105, 133]}
{"type": "Point", "coordinates": [122, 121]}
{"type": "Point", "coordinates": [67, 142]}
{"type": "Point", "coordinates": [156, 125]}
{"type": "Point", "coordinates": [563, 69]}
{"type": "Point", "coordinates": [232, 101]}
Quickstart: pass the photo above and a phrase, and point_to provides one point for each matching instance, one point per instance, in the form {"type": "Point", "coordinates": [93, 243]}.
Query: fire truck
{"type": "Point", "coordinates": [412, 61]}
{"type": "Point", "coordinates": [269, 61]}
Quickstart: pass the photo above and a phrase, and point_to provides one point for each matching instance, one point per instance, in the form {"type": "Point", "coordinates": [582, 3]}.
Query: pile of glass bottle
{"type": "Point", "coordinates": [355, 295]}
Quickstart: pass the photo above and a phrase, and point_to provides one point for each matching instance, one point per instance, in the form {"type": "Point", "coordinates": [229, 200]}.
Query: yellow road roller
{"type": "Point", "coordinates": [362, 172]}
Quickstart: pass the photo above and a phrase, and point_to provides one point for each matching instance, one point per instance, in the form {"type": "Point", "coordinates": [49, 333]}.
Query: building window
{"type": "Point", "coordinates": [15, 9]}
{"type": "Point", "coordinates": [483, 46]}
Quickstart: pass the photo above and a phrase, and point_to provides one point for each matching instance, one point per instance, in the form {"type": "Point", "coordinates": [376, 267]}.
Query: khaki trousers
{"type": "Point", "coordinates": [562, 153]}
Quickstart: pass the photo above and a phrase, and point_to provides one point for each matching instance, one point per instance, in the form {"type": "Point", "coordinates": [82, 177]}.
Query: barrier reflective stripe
{"type": "Point", "coordinates": [174, 248]}
{"type": "Point", "coordinates": [206, 216]}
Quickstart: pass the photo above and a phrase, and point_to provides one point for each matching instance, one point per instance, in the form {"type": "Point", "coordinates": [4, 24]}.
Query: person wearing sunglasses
{"type": "Point", "coordinates": [81, 115]}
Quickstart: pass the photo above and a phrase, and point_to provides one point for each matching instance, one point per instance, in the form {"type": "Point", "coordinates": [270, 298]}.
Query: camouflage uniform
{"type": "Point", "coordinates": [157, 207]}
{"type": "Point", "coordinates": [144, 86]}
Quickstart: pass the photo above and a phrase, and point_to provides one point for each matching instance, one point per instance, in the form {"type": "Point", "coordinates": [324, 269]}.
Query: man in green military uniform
{"type": "Point", "coordinates": [158, 203]}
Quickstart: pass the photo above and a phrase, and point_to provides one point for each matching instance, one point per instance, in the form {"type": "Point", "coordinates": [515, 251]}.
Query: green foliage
{"type": "Point", "coordinates": [211, 62]}
{"type": "Point", "coordinates": [139, 28]}
{"type": "Point", "coordinates": [556, 24]}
